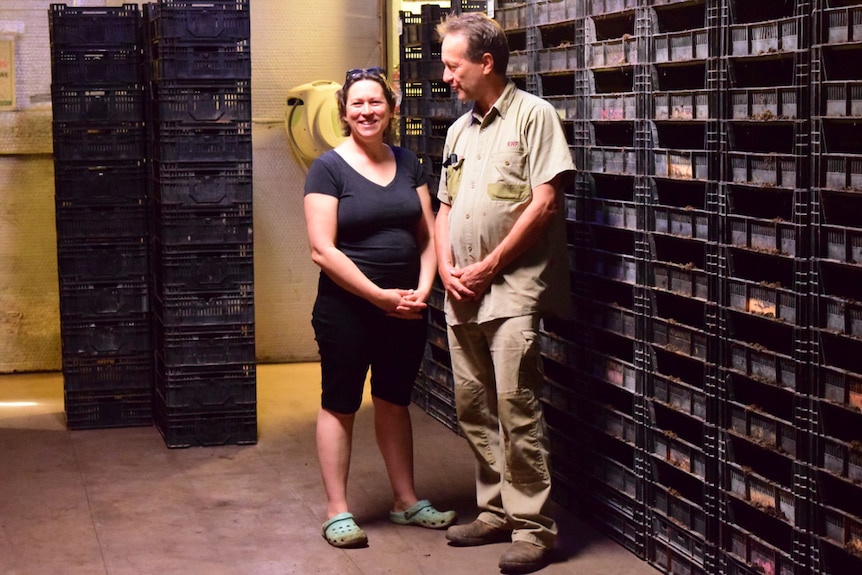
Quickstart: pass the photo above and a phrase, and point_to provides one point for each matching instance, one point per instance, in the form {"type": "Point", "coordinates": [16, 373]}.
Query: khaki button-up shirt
{"type": "Point", "coordinates": [501, 157]}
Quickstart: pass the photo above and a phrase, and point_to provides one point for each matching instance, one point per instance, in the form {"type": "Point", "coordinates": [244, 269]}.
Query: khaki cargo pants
{"type": "Point", "coordinates": [498, 378]}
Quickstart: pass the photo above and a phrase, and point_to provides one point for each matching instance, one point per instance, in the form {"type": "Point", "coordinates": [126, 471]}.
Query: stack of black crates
{"type": "Point", "coordinates": [101, 214]}
{"type": "Point", "coordinates": [199, 111]}
{"type": "Point", "coordinates": [705, 404]}
{"type": "Point", "coordinates": [836, 285]}
{"type": "Point", "coordinates": [427, 109]}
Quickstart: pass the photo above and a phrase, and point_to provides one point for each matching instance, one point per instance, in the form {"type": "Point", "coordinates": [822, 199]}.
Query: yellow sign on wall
{"type": "Point", "coordinates": [7, 74]}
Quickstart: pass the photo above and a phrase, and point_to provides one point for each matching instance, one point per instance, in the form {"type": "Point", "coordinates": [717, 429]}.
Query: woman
{"type": "Point", "coordinates": [369, 218]}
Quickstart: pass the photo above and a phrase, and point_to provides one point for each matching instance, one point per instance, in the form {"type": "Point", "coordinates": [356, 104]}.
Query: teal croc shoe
{"type": "Point", "coordinates": [423, 514]}
{"type": "Point", "coordinates": [342, 531]}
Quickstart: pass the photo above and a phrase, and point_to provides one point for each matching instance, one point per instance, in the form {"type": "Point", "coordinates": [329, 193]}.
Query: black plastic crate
{"type": "Point", "coordinates": [207, 268]}
{"type": "Point", "coordinates": [685, 280]}
{"type": "Point", "coordinates": [681, 222]}
{"type": "Point", "coordinates": [681, 46]}
{"type": "Point", "coordinates": [765, 38]}
{"type": "Point", "coordinates": [548, 12]}
{"type": "Point", "coordinates": [418, 28]}
{"type": "Point", "coordinates": [603, 7]}
{"type": "Point", "coordinates": [88, 67]}
{"type": "Point", "coordinates": [667, 557]}
{"type": "Point", "coordinates": [239, 5]}
{"type": "Point", "coordinates": [842, 24]}
{"type": "Point", "coordinates": [181, 61]}
{"type": "Point", "coordinates": [666, 446]}
{"type": "Point", "coordinates": [437, 337]}
{"type": "Point", "coordinates": [747, 554]}
{"type": "Point", "coordinates": [106, 337]}
{"type": "Point", "coordinates": [105, 261]}
{"type": "Point", "coordinates": [201, 21]}
{"type": "Point", "coordinates": [610, 318]}
{"type": "Point", "coordinates": [840, 243]}
{"type": "Point", "coordinates": [226, 343]}
{"type": "Point", "coordinates": [98, 104]}
{"type": "Point", "coordinates": [775, 473]}
{"type": "Point", "coordinates": [613, 213]}
{"type": "Point", "coordinates": [762, 364]}
{"type": "Point", "coordinates": [681, 105]}
{"type": "Point", "coordinates": [79, 300]}
{"type": "Point", "coordinates": [678, 543]}
{"type": "Point", "coordinates": [841, 98]}
{"type": "Point", "coordinates": [204, 143]}
{"type": "Point", "coordinates": [678, 164]}
{"type": "Point", "coordinates": [100, 221]}
{"type": "Point", "coordinates": [512, 16]}
{"type": "Point", "coordinates": [677, 338]}
{"type": "Point", "coordinates": [771, 169]}
{"type": "Point", "coordinates": [200, 102]}
{"type": "Point", "coordinates": [842, 459]}
{"type": "Point", "coordinates": [840, 387]}
{"type": "Point", "coordinates": [841, 172]}
{"type": "Point", "coordinates": [557, 348]}
{"type": "Point", "coordinates": [103, 409]}
{"type": "Point", "coordinates": [764, 104]}
{"type": "Point", "coordinates": [116, 183]}
{"type": "Point", "coordinates": [679, 396]}
{"type": "Point", "coordinates": [441, 379]}
{"type": "Point", "coordinates": [207, 388]}
{"type": "Point", "coordinates": [548, 61]}
{"type": "Point", "coordinates": [180, 428]}
{"type": "Point", "coordinates": [181, 226]}
{"type": "Point", "coordinates": [203, 184]}
{"type": "Point", "coordinates": [204, 308]}
{"type": "Point", "coordinates": [611, 369]}
{"type": "Point", "coordinates": [469, 6]}
{"type": "Point", "coordinates": [608, 265]}
{"type": "Point", "coordinates": [423, 69]}
{"type": "Point", "coordinates": [764, 300]}
{"type": "Point", "coordinates": [99, 143]}
{"type": "Point", "coordinates": [94, 26]}
{"type": "Point", "coordinates": [766, 236]}
{"type": "Point", "coordinates": [761, 427]}
{"type": "Point", "coordinates": [670, 503]}
{"type": "Point", "coordinates": [107, 375]}
{"type": "Point", "coordinates": [609, 472]}
{"type": "Point", "coordinates": [609, 107]}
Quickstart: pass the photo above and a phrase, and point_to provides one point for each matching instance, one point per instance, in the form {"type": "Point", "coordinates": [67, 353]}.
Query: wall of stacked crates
{"type": "Point", "coordinates": [199, 91]}
{"type": "Point", "coordinates": [704, 404]}
{"type": "Point", "coordinates": [101, 215]}
{"type": "Point", "coordinates": [191, 219]}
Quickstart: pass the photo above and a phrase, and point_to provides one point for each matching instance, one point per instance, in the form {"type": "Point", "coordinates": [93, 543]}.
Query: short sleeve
{"type": "Point", "coordinates": [323, 177]}
{"type": "Point", "coordinates": [547, 137]}
{"type": "Point", "coordinates": [410, 161]}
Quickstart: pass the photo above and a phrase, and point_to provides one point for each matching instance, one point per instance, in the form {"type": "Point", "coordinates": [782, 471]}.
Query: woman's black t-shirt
{"type": "Point", "coordinates": [376, 224]}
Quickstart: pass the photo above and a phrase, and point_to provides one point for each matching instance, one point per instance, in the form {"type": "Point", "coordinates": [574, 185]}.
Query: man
{"type": "Point", "coordinates": [500, 238]}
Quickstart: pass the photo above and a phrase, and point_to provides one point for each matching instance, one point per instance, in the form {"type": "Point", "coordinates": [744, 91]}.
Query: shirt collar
{"type": "Point", "coordinates": [500, 107]}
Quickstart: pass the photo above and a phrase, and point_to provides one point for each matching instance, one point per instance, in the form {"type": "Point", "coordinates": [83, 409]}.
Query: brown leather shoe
{"type": "Point", "coordinates": [476, 533]}
{"type": "Point", "coordinates": [523, 557]}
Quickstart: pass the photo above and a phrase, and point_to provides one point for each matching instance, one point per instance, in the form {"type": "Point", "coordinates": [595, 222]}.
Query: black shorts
{"type": "Point", "coordinates": [352, 336]}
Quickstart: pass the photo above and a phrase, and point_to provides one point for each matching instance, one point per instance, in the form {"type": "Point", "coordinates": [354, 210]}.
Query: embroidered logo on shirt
{"type": "Point", "coordinates": [513, 144]}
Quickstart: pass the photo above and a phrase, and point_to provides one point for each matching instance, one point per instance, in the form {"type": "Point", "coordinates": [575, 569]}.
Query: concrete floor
{"type": "Point", "coordinates": [118, 502]}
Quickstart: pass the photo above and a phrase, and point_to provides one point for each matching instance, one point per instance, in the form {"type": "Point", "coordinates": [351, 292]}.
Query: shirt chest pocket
{"type": "Point", "coordinates": [509, 180]}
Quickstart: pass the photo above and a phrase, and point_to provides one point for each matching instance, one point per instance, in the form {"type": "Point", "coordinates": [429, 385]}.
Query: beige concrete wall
{"type": "Point", "coordinates": [293, 42]}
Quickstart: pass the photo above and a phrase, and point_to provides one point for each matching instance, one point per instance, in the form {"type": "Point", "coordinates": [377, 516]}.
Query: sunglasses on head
{"type": "Point", "coordinates": [359, 72]}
